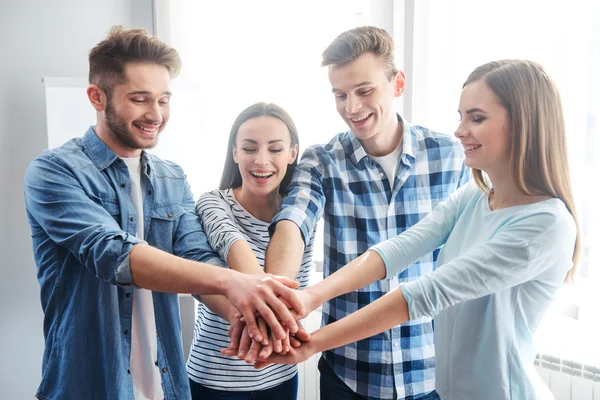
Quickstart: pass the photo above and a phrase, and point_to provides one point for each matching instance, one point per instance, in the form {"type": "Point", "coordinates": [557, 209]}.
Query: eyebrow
{"type": "Point", "coordinates": [472, 110]}
{"type": "Point", "coordinates": [355, 86]}
{"type": "Point", "coordinates": [147, 93]}
{"type": "Point", "coordinates": [255, 142]}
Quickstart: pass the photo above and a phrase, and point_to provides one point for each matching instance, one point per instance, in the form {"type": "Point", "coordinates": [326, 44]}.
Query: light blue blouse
{"type": "Point", "coordinates": [497, 274]}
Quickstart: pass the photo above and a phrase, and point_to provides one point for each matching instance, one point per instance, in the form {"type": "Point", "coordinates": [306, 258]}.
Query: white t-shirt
{"type": "Point", "coordinates": [147, 383]}
{"type": "Point", "coordinates": [389, 163]}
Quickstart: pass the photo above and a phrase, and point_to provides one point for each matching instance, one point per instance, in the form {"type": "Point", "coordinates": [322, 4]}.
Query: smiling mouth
{"type": "Point", "coordinates": [359, 121]}
{"type": "Point", "coordinates": [262, 176]}
{"type": "Point", "coordinates": [473, 147]}
{"type": "Point", "coordinates": [149, 128]}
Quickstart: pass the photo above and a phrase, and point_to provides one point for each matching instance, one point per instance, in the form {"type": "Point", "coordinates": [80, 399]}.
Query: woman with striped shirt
{"type": "Point", "coordinates": [261, 157]}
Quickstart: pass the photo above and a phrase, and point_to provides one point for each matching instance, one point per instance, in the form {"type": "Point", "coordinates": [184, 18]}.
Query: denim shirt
{"type": "Point", "coordinates": [83, 226]}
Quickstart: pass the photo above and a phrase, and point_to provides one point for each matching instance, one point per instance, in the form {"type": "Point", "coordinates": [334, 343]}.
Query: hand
{"type": "Point", "coordinates": [251, 293]}
{"type": "Point", "coordinates": [294, 356]}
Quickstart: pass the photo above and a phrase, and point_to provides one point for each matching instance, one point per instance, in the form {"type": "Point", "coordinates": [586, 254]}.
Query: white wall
{"type": "Point", "coordinates": [38, 38]}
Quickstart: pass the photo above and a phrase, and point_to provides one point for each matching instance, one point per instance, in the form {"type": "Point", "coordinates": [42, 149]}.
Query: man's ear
{"type": "Point", "coordinates": [97, 97]}
{"type": "Point", "coordinates": [399, 83]}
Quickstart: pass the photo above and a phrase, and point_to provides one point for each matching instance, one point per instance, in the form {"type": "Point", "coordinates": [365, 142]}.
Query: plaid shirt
{"type": "Point", "coordinates": [341, 182]}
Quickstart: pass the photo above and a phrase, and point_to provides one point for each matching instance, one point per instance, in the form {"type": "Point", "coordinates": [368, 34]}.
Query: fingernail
{"type": "Point", "coordinates": [241, 354]}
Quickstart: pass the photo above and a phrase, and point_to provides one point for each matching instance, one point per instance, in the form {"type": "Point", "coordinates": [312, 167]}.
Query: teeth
{"type": "Point", "coordinates": [262, 174]}
{"type": "Point", "coordinates": [359, 119]}
{"type": "Point", "coordinates": [146, 129]}
{"type": "Point", "coordinates": [467, 148]}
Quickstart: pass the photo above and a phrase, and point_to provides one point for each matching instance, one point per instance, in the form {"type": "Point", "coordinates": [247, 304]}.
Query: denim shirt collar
{"type": "Point", "coordinates": [409, 143]}
{"type": "Point", "coordinates": [102, 156]}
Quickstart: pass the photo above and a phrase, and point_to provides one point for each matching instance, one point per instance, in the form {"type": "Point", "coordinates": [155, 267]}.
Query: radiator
{"type": "Point", "coordinates": [568, 380]}
{"type": "Point", "coordinates": [565, 379]}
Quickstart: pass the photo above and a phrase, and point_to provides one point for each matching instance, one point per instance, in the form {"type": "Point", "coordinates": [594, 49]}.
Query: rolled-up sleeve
{"type": "Point", "coordinates": [190, 241]}
{"type": "Point", "coordinates": [56, 201]}
{"type": "Point", "coordinates": [305, 200]}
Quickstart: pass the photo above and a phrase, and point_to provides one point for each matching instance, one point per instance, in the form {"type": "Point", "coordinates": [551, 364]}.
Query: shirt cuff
{"type": "Point", "coordinates": [299, 218]}
{"type": "Point", "coordinates": [392, 257]}
{"type": "Point", "coordinates": [123, 272]}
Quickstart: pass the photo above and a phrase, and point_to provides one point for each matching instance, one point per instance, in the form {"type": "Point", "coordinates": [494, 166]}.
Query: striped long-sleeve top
{"type": "Point", "coordinates": [226, 221]}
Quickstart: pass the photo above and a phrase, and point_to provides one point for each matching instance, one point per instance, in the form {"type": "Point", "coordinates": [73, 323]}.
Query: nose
{"type": "Point", "coordinates": [153, 113]}
{"type": "Point", "coordinates": [262, 158]}
{"type": "Point", "coordinates": [461, 131]}
{"type": "Point", "coordinates": [353, 104]}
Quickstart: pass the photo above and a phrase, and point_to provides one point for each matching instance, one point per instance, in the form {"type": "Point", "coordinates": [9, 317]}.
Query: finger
{"type": "Point", "coordinates": [235, 333]}
{"type": "Point", "coordinates": [301, 334]}
{"type": "Point", "coordinates": [269, 317]}
{"type": "Point", "coordinates": [285, 281]}
{"type": "Point", "coordinates": [289, 296]}
{"type": "Point", "coordinates": [252, 355]}
{"type": "Point", "coordinates": [245, 343]}
{"type": "Point", "coordinates": [264, 331]}
{"type": "Point", "coordinates": [251, 325]}
{"type": "Point", "coordinates": [277, 344]}
{"type": "Point", "coordinates": [295, 342]}
{"type": "Point", "coordinates": [276, 305]}
{"type": "Point", "coordinates": [285, 345]}
{"type": "Point", "coordinates": [266, 351]}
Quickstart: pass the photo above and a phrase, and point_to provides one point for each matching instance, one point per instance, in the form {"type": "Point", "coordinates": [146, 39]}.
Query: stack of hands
{"type": "Point", "coordinates": [267, 328]}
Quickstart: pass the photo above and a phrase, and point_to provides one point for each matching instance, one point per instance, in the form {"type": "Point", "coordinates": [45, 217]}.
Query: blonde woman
{"type": "Point", "coordinates": [510, 238]}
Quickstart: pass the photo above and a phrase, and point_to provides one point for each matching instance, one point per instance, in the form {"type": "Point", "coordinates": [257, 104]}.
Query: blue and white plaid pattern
{"type": "Point", "coordinates": [341, 182]}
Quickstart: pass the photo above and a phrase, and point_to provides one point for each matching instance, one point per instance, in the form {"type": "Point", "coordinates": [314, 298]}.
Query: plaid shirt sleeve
{"type": "Point", "coordinates": [305, 200]}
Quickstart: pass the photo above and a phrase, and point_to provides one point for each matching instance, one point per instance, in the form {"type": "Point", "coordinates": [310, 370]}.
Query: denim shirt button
{"type": "Point", "coordinates": [129, 372]}
{"type": "Point", "coordinates": [164, 370]}
{"type": "Point", "coordinates": [131, 219]}
{"type": "Point", "coordinates": [170, 215]}
{"type": "Point", "coordinates": [123, 185]}
{"type": "Point", "coordinates": [125, 331]}
{"type": "Point", "coordinates": [127, 294]}
{"type": "Point", "coordinates": [149, 192]}
{"type": "Point", "coordinates": [156, 363]}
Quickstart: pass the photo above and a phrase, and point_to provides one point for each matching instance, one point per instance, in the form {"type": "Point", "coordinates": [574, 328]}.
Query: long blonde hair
{"type": "Point", "coordinates": [538, 155]}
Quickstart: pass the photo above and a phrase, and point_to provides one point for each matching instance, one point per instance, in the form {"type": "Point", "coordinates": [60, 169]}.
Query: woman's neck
{"type": "Point", "coordinates": [263, 208]}
{"type": "Point", "coordinates": [505, 193]}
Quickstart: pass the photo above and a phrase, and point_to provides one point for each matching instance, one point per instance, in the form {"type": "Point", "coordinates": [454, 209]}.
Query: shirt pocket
{"type": "Point", "coordinates": [163, 225]}
{"type": "Point", "coordinates": [110, 204]}
{"type": "Point", "coordinates": [421, 204]}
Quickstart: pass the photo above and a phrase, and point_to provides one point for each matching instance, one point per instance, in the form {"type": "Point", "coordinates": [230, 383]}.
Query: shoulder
{"type": "Point", "coordinates": [430, 139]}
{"type": "Point", "coordinates": [224, 196]}
{"type": "Point", "coordinates": [552, 216]}
{"type": "Point", "coordinates": [165, 168]}
{"type": "Point", "coordinates": [337, 147]}
{"type": "Point", "coordinates": [70, 155]}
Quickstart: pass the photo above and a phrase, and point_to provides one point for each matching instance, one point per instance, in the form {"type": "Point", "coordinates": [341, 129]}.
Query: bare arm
{"type": "Point", "coordinates": [285, 250]}
{"type": "Point", "coordinates": [242, 259]}
{"type": "Point", "coordinates": [358, 273]}
{"type": "Point", "coordinates": [379, 316]}
{"type": "Point", "coordinates": [157, 270]}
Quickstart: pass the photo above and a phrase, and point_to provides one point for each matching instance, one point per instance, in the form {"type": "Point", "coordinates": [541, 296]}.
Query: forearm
{"type": "Point", "coordinates": [242, 259]}
{"type": "Point", "coordinates": [379, 316]}
{"type": "Point", "coordinates": [157, 270]}
{"type": "Point", "coordinates": [285, 250]}
{"type": "Point", "coordinates": [359, 273]}
{"type": "Point", "coordinates": [220, 306]}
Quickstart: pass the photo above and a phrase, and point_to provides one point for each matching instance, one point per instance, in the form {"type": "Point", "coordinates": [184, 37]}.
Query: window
{"type": "Point", "coordinates": [451, 38]}
{"type": "Point", "coordinates": [237, 53]}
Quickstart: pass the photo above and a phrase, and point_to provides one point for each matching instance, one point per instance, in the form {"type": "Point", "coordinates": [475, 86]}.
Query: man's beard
{"type": "Point", "coordinates": [119, 131]}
